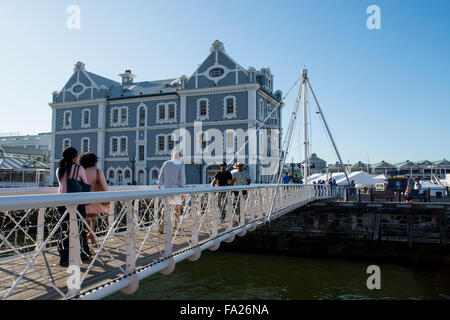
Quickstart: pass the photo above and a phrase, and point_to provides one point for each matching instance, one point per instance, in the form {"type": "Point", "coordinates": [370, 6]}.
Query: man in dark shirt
{"type": "Point", "coordinates": [223, 178]}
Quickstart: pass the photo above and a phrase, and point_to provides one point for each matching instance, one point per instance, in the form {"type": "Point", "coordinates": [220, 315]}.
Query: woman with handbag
{"type": "Point", "coordinates": [71, 178]}
{"type": "Point", "coordinates": [96, 179]}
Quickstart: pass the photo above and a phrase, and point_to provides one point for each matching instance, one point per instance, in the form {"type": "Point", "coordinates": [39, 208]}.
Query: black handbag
{"type": "Point", "coordinates": [75, 185]}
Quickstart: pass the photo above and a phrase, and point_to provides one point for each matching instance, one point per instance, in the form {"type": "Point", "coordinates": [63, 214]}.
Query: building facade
{"type": "Point", "coordinates": [134, 126]}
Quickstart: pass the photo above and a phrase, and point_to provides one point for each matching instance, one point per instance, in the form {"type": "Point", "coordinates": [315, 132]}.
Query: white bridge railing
{"type": "Point", "coordinates": [129, 246]}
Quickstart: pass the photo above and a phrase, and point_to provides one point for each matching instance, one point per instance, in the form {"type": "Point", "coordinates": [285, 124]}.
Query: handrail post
{"type": "Point", "coordinates": [40, 228]}
{"type": "Point", "coordinates": [215, 211]}
{"type": "Point", "coordinates": [243, 208]}
{"type": "Point", "coordinates": [194, 210]}
{"type": "Point", "coordinates": [229, 208]}
{"type": "Point", "coordinates": [73, 281]}
{"type": "Point", "coordinates": [252, 201]}
{"type": "Point", "coordinates": [111, 217]}
{"type": "Point", "coordinates": [168, 212]}
{"type": "Point", "coordinates": [131, 216]}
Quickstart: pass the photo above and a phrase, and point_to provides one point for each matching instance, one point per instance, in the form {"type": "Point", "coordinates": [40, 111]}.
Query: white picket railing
{"type": "Point", "coordinates": [130, 246]}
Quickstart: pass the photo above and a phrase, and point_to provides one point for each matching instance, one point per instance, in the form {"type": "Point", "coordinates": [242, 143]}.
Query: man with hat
{"type": "Point", "coordinates": [240, 178]}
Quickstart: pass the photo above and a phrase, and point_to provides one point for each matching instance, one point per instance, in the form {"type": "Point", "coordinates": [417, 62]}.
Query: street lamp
{"type": "Point", "coordinates": [132, 160]}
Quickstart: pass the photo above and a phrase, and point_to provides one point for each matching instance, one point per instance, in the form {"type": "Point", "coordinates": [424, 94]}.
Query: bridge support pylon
{"type": "Point", "coordinates": [230, 238]}
{"type": "Point", "coordinates": [196, 255]}
{"type": "Point", "coordinates": [170, 268]}
{"type": "Point", "coordinates": [215, 246]}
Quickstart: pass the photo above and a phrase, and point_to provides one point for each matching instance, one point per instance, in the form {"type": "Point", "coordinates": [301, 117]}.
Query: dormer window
{"type": "Point", "coordinates": [216, 72]}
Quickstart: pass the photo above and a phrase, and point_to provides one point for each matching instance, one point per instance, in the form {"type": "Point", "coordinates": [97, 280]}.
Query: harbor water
{"type": "Point", "coordinates": [225, 275]}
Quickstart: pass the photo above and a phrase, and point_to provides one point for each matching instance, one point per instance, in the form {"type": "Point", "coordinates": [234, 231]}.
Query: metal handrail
{"type": "Point", "coordinates": [65, 199]}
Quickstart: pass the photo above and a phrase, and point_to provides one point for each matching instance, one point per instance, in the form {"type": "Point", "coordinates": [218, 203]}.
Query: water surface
{"type": "Point", "coordinates": [225, 275]}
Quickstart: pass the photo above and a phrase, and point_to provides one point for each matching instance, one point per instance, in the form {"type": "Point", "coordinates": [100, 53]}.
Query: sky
{"type": "Point", "coordinates": [384, 92]}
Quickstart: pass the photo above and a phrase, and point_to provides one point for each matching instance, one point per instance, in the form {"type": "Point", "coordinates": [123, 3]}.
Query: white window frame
{"type": "Point", "coordinates": [150, 178]}
{"type": "Point", "coordinates": [120, 122]}
{"type": "Point", "coordinates": [67, 126]}
{"type": "Point", "coordinates": [269, 110]}
{"type": "Point", "coordinates": [227, 147]}
{"type": "Point", "coordinates": [174, 111]}
{"type": "Point", "coordinates": [64, 143]}
{"type": "Point", "coordinates": [126, 145]}
{"type": "Point", "coordinates": [88, 144]}
{"type": "Point", "coordinates": [227, 115]}
{"type": "Point", "coordinates": [130, 179]}
{"type": "Point", "coordinates": [145, 149]}
{"type": "Point", "coordinates": [262, 113]}
{"type": "Point", "coordinates": [88, 124]}
{"type": "Point", "coordinates": [166, 113]}
{"type": "Point", "coordinates": [119, 143]}
{"type": "Point", "coordinates": [202, 117]}
{"type": "Point", "coordinates": [124, 122]}
{"type": "Point", "coordinates": [113, 180]}
{"type": "Point", "coordinates": [198, 141]}
{"type": "Point", "coordinates": [138, 121]}
{"type": "Point", "coordinates": [168, 136]}
{"type": "Point", "coordinates": [157, 150]}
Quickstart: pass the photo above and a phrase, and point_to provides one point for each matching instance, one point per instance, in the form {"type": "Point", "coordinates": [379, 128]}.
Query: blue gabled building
{"type": "Point", "coordinates": [130, 124]}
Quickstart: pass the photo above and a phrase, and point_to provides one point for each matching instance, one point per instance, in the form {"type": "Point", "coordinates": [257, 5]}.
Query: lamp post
{"type": "Point", "coordinates": [132, 160]}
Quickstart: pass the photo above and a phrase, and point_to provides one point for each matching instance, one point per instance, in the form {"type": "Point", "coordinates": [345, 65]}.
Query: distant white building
{"type": "Point", "coordinates": [40, 141]}
{"type": "Point", "coordinates": [22, 167]}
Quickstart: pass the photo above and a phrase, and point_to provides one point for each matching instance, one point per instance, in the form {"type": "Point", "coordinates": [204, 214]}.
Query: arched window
{"type": "Point", "coordinates": [119, 177]}
{"type": "Point", "coordinates": [111, 174]}
{"type": "Point", "coordinates": [127, 174]}
{"type": "Point", "coordinates": [66, 143]}
{"type": "Point", "coordinates": [142, 116]}
{"type": "Point", "coordinates": [154, 175]}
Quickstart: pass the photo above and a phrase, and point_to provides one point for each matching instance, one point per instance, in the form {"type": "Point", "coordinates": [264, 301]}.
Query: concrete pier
{"type": "Point", "coordinates": [388, 230]}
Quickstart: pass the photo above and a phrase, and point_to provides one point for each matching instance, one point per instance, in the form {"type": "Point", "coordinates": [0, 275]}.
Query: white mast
{"type": "Point", "coordinates": [305, 130]}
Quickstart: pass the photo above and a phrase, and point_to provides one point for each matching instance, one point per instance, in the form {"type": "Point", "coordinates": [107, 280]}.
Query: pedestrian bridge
{"type": "Point", "coordinates": [130, 246]}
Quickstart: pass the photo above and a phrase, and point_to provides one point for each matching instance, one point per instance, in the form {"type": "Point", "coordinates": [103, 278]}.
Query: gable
{"type": "Point", "coordinates": [218, 69]}
{"type": "Point", "coordinates": [83, 85]}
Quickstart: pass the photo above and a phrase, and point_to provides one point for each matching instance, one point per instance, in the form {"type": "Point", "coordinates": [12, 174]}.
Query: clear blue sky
{"type": "Point", "coordinates": [385, 93]}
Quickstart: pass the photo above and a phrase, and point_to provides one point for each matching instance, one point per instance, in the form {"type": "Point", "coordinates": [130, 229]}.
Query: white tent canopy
{"type": "Point", "coordinates": [361, 178]}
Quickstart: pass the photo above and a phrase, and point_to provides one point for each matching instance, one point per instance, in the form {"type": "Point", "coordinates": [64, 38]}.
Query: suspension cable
{"type": "Point", "coordinates": [265, 120]}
